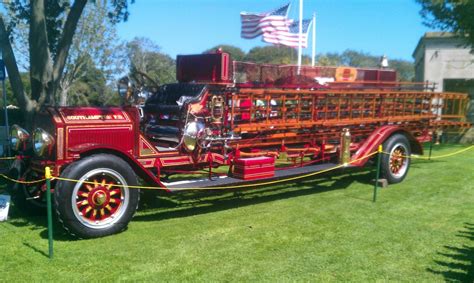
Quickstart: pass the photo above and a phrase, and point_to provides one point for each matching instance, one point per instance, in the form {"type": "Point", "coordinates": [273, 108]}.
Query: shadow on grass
{"type": "Point", "coordinates": [35, 249]}
{"type": "Point", "coordinates": [156, 206]}
{"type": "Point", "coordinates": [19, 218]}
{"type": "Point", "coordinates": [459, 261]}
{"type": "Point", "coordinates": [189, 204]}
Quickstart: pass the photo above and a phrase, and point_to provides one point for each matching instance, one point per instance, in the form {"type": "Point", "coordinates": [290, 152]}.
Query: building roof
{"type": "Point", "coordinates": [435, 35]}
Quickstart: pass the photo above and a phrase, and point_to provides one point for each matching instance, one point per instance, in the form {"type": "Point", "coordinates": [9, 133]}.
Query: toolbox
{"type": "Point", "coordinates": [254, 168]}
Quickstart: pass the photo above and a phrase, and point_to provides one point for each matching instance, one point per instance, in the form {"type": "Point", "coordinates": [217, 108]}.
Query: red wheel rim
{"type": "Point", "coordinates": [98, 201]}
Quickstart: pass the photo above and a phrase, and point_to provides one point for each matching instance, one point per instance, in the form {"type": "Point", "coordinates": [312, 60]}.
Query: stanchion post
{"type": "Point", "coordinates": [431, 146]}
{"type": "Point", "coordinates": [47, 175]}
{"type": "Point", "coordinates": [377, 175]}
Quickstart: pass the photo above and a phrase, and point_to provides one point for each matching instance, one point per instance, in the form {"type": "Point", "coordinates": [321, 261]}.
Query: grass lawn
{"type": "Point", "coordinates": [325, 229]}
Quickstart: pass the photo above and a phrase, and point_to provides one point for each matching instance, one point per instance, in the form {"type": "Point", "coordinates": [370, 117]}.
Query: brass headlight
{"type": "Point", "coordinates": [18, 137]}
{"type": "Point", "coordinates": [42, 142]}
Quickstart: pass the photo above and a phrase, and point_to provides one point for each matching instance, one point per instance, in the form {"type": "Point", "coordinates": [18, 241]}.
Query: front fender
{"type": "Point", "coordinates": [377, 138]}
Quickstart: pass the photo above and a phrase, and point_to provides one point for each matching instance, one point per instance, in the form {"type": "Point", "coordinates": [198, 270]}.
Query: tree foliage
{"type": "Point", "coordinates": [92, 49]}
{"type": "Point", "coordinates": [450, 15]}
{"type": "Point", "coordinates": [144, 59]}
{"type": "Point", "coordinates": [287, 55]}
{"type": "Point", "coordinates": [235, 52]}
{"type": "Point", "coordinates": [52, 26]}
{"type": "Point", "coordinates": [91, 87]}
{"type": "Point", "coordinates": [274, 55]}
{"type": "Point", "coordinates": [353, 58]}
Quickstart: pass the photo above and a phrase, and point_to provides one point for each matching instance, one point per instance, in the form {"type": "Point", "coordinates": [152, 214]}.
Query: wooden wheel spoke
{"type": "Point", "coordinates": [397, 160]}
{"type": "Point", "coordinates": [114, 192]}
{"type": "Point", "coordinates": [86, 210]}
{"type": "Point", "coordinates": [82, 203]}
{"type": "Point", "coordinates": [83, 194]}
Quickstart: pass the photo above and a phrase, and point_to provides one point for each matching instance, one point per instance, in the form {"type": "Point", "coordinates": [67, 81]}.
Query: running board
{"type": "Point", "coordinates": [225, 181]}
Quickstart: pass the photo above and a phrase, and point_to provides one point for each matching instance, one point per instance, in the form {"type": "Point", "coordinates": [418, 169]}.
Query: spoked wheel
{"type": "Point", "coordinates": [100, 203]}
{"type": "Point", "coordinates": [28, 198]}
{"type": "Point", "coordinates": [396, 163]}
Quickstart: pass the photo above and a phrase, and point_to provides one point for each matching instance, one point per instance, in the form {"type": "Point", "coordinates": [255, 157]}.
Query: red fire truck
{"type": "Point", "coordinates": [224, 113]}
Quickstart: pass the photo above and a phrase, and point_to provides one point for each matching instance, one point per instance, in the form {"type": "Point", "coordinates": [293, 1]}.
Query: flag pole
{"type": "Point", "coordinates": [300, 37]}
{"type": "Point", "coordinates": [313, 57]}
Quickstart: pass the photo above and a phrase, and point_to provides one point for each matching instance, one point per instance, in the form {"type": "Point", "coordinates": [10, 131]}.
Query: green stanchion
{"type": "Point", "coordinates": [47, 175]}
{"type": "Point", "coordinates": [431, 146]}
{"type": "Point", "coordinates": [376, 185]}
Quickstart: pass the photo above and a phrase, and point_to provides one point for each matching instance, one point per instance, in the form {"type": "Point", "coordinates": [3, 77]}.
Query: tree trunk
{"type": "Point", "coordinates": [27, 106]}
{"type": "Point", "coordinates": [63, 94]}
{"type": "Point", "coordinates": [66, 40]}
{"type": "Point", "coordinates": [41, 65]}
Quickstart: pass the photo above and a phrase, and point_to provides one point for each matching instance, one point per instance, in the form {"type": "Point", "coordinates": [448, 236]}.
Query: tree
{"type": "Point", "coordinates": [144, 58]}
{"type": "Point", "coordinates": [91, 51]}
{"type": "Point", "coordinates": [51, 33]}
{"type": "Point", "coordinates": [405, 69]}
{"type": "Point", "coordinates": [329, 59]}
{"type": "Point", "coordinates": [274, 55]}
{"type": "Point", "coordinates": [359, 59]}
{"type": "Point", "coordinates": [352, 58]}
{"type": "Point", "coordinates": [91, 87]}
{"type": "Point", "coordinates": [450, 15]}
{"type": "Point", "coordinates": [235, 52]}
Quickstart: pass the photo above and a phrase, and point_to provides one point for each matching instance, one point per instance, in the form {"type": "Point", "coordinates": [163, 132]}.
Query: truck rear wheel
{"type": "Point", "coordinates": [395, 161]}
{"type": "Point", "coordinates": [93, 207]}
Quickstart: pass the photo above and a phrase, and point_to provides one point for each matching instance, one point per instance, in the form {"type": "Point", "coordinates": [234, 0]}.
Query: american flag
{"type": "Point", "coordinates": [255, 24]}
{"type": "Point", "coordinates": [290, 37]}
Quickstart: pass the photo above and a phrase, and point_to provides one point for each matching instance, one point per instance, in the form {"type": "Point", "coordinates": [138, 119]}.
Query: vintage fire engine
{"type": "Point", "coordinates": [225, 113]}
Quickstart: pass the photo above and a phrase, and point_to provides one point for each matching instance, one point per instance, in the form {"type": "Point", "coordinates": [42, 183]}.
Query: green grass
{"type": "Point", "coordinates": [325, 229]}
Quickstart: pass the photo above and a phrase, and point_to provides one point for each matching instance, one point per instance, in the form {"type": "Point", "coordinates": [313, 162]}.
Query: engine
{"type": "Point", "coordinates": [184, 116]}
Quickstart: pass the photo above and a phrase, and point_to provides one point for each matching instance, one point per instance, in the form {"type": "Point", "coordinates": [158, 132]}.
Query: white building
{"type": "Point", "coordinates": [446, 60]}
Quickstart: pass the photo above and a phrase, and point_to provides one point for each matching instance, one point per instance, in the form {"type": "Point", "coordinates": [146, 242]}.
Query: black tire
{"type": "Point", "coordinates": [91, 210]}
{"type": "Point", "coordinates": [28, 199]}
{"type": "Point", "coordinates": [395, 164]}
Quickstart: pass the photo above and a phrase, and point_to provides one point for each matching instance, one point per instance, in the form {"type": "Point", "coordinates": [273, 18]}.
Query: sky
{"type": "Point", "coordinates": [390, 27]}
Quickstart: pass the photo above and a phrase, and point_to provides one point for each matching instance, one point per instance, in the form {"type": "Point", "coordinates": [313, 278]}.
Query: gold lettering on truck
{"type": "Point", "coordinates": [95, 117]}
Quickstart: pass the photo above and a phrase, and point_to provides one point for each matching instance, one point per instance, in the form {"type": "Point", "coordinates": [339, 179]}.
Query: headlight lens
{"type": "Point", "coordinates": [42, 142]}
{"type": "Point", "coordinates": [18, 137]}
{"type": "Point", "coordinates": [192, 132]}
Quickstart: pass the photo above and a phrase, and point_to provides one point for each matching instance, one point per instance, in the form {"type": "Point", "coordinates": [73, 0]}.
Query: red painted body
{"type": "Point", "coordinates": [243, 116]}
{"type": "Point", "coordinates": [378, 137]}
{"type": "Point", "coordinates": [271, 115]}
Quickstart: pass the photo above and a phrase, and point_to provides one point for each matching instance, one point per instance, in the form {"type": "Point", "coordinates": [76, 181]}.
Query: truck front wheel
{"type": "Point", "coordinates": [396, 159]}
{"type": "Point", "coordinates": [99, 202]}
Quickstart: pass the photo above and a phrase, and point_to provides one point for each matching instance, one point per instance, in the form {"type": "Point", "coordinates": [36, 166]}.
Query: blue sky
{"type": "Point", "coordinates": [391, 27]}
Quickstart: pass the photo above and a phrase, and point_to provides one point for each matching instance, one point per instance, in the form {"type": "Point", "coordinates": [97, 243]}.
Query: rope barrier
{"type": "Point", "coordinates": [227, 187]}
{"type": "Point", "coordinates": [235, 186]}
{"type": "Point", "coordinates": [435, 157]}
{"type": "Point", "coordinates": [8, 158]}
{"type": "Point", "coordinates": [48, 178]}
{"type": "Point", "coordinates": [21, 181]}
